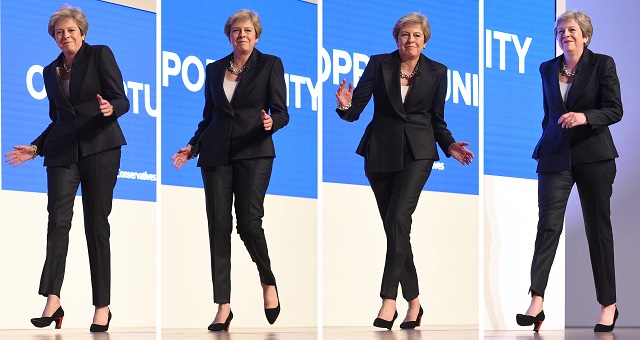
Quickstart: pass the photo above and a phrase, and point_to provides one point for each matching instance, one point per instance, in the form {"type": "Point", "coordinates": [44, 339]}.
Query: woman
{"type": "Point", "coordinates": [581, 99]}
{"type": "Point", "coordinates": [81, 146]}
{"type": "Point", "coordinates": [236, 153]}
{"type": "Point", "coordinates": [399, 147]}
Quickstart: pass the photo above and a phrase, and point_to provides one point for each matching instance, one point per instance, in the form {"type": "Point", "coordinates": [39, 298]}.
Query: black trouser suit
{"type": "Point", "coordinates": [97, 174]}
{"type": "Point", "coordinates": [397, 195]}
{"type": "Point", "coordinates": [595, 187]}
{"type": "Point", "coordinates": [246, 181]}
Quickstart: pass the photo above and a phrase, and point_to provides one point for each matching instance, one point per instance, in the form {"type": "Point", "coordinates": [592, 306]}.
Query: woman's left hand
{"type": "Point", "coordinates": [460, 153]}
{"type": "Point", "coordinates": [105, 107]}
{"type": "Point", "coordinates": [572, 119]}
{"type": "Point", "coordinates": [267, 122]}
{"type": "Point", "coordinates": [182, 156]}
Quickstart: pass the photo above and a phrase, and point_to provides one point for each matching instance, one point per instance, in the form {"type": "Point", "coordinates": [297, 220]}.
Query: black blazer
{"type": "Point", "coordinates": [233, 130]}
{"type": "Point", "coordinates": [595, 92]}
{"type": "Point", "coordinates": [419, 121]}
{"type": "Point", "coordinates": [78, 128]}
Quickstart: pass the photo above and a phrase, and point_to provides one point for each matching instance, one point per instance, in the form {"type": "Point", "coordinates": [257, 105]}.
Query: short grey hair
{"type": "Point", "coordinates": [583, 20]}
{"type": "Point", "coordinates": [242, 15]}
{"type": "Point", "coordinates": [65, 12]}
{"type": "Point", "coordinates": [413, 18]}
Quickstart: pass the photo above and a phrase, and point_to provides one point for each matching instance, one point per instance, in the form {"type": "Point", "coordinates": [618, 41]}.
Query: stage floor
{"type": "Point", "coordinates": [329, 333]}
{"type": "Point", "coordinates": [620, 333]}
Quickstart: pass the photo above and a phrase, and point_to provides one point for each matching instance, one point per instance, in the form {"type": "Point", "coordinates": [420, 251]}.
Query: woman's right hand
{"type": "Point", "coordinates": [20, 154]}
{"type": "Point", "coordinates": [182, 156]}
{"type": "Point", "coordinates": [343, 95]}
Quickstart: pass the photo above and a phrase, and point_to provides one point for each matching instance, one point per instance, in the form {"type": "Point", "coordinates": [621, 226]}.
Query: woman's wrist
{"type": "Point", "coordinates": [35, 151]}
{"type": "Point", "coordinates": [190, 153]}
{"type": "Point", "coordinates": [451, 148]}
{"type": "Point", "coordinates": [343, 107]}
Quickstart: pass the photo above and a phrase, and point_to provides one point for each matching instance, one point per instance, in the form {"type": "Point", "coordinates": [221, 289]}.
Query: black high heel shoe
{"type": "Point", "coordinates": [272, 313]}
{"type": "Point", "coordinates": [528, 320]}
{"type": "Point", "coordinates": [47, 320]}
{"type": "Point", "coordinates": [219, 327]}
{"type": "Point", "coordinates": [382, 323]}
{"type": "Point", "coordinates": [100, 328]}
{"type": "Point", "coordinates": [413, 324]}
{"type": "Point", "coordinates": [604, 328]}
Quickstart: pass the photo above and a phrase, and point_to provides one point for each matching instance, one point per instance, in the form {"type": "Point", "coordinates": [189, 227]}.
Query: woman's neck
{"type": "Point", "coordinates": [410, 61]}
{"type": "Point", "coordinates": [409, 65]}
{"type": "Point", "coordinates": [69, 57]}
{"type": "Point", "coordinates": [571, 60]}
{"type": "Point", "coordinates": [239, 60]}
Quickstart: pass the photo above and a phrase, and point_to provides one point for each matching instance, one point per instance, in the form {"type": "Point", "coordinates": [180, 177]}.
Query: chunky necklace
{"type": "Point", "coordinates": [410, 75]}
{"type": "Point", "coordinates": [233, 69]}
{"type": "Point", "coordinates": [565, 71]}
{"type": "Point", "coordinates": [64, 65]}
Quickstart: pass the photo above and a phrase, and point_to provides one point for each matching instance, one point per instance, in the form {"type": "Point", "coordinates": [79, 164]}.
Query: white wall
{"type": "Point", "coordinates": [22, 253]}
{"type": "Point", "coordinates": [444, 239]}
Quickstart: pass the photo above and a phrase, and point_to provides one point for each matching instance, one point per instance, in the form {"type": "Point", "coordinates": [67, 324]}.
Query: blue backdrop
{"type": "Point", "coordinates": [193, 35]}
{"type": "Point", "coordinates": [347, 45]}
{"type": "Point", "coordinates": [27, 47]}
{"type": "Point", "coordinates": [520, 34]}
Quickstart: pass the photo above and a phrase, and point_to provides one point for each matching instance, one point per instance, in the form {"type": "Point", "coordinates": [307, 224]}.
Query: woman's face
{"type": "Point", "coordinates": [410, 41]}
{"type": "Point", "coordinates": [68, 36]}
{"type": "Point", "coordinates": [243, 36]}
{"type": "Point", "coordinates": [570, 38]}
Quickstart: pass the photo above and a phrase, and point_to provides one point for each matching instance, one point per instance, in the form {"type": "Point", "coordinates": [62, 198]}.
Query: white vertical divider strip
{"type": "Point", "coordinates": [561, 7]}
{"type": "Point", "coordinates": [480, 159]}
{"type": "Point", "coordinates": [1, 146]}
{"type": "Point", "coordinates": [319, 176]}
{"type": "Point", "coordinates": [158, 170]}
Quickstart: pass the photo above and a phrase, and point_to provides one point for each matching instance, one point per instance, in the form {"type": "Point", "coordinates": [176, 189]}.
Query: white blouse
{"type": "Point", "coordinates": [404, 89]}
{"type": "Point", "coordinates": [564, 90]}
{"type": "Point", "coordinates": [229, 87]}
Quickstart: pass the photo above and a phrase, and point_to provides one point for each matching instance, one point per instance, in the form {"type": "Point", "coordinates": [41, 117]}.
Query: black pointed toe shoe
{"type": "Point", "coordinates": [272, 313]}
{"type": "Point", "coordinates": [47, 320]}
{"type": "Point", "coordinates": [413, 324]}
{"type": "Point", "coordinates": [382, 323]}
{"type": "Point", "coordinates": [219, 327]}
{"type": "Point", "coordinates": [528, 320]}
{"type": "Point", "coordinates": [604, 328]}
{"type": "Point", "coordinates": [95, 328]}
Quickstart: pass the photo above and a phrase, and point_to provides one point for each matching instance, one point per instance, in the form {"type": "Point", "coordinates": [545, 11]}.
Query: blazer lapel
{"type": "Point", "coordinates": [78, 71]}
{"type": "Point", "coordinates": [391, 76]}
{"type": "Point", "coordinates": [55, 90]}
{"type": "Point", "coordinates": [217, 80]}
{"type": "Point", "coordinates": [423, 80]}
{"type": "Point", "coordinates": [553, 83]}
{"type": "Point", "coordinates": [253, 67]}
{"type": "Point", "coordinates": [586, 65]}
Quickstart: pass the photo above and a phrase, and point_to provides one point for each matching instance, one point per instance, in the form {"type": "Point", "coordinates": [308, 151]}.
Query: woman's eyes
{"type": "Point", "coordinates": [62, 32]}
{"type": "Point", "coordinates": [572, 30]}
